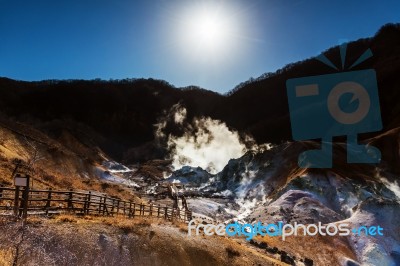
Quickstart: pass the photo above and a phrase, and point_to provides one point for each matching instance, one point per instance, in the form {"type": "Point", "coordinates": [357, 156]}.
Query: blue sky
{"type": "Point", "coordinates": [133, 39]}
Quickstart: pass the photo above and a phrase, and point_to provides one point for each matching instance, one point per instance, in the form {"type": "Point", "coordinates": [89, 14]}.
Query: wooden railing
{"type": "Point", "coordinates": [21, 203]}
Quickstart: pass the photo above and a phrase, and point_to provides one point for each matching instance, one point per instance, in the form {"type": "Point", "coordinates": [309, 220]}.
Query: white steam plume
{"type": "Point", "coordinates": [206, 142]}
{"type": "Point", "coordinates": [211, 145]}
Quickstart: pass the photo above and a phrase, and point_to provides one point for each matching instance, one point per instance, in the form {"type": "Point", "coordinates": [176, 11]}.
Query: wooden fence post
{"type": "Point", "coordinates": [25, 198]}
{"type": "Point", "coordinates": [112, 207]}
{"type": "Point", "coordinates": [105, 205]}
{"type": "Point", "coordinates": [130, 209]}
{"type": "Point", "coordinates": [134, 210]}
{"type": "Point", "coordinates": [85, 203]}
{"type": "Point", "coordinates": [88, 203]}
{"type": "Point", "coordinates": [166, 213]}
{"type": "Point", "coordinates": [70, 205]}
{"type": "Point", "coordinates": [16, 201]}
{"type": "Point", "coordinates": [118, 201]}
{"type": "Point", "coordinates": [158, 211]}
{"type": "Point", "coordinates": [48, 201]}
{"type": "Point", "coordinates": [100, 203]}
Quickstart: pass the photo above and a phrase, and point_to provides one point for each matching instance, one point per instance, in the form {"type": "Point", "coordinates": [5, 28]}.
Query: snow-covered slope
{"type": "Point", "coordinates": [269, 187]}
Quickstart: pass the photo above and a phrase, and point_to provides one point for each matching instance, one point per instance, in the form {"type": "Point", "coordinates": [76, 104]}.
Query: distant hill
{"type": "Point", "coordinates": [260, 106]}
{"type": "Point", "coordinates": [119, 115]}
{"type": "Point", "coordinates": [115, 115]}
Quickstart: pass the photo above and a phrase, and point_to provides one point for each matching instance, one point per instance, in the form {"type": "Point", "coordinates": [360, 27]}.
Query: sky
{"type": "Point", "coordinates": [211, 44]}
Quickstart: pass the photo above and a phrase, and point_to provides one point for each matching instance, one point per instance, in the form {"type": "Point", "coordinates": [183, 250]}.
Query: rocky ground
{"type": "Point", "coordinates": [269, 187]}
{"type": "Point", "coordinates": [68, 240]}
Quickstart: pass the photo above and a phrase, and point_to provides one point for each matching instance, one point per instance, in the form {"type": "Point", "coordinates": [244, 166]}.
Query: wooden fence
{"type": "Point", "coordinates": [31, 201]}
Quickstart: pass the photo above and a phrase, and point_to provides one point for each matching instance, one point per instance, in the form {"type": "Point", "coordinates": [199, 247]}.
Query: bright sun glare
{"type": "Point", "coordinates": [207, 31]}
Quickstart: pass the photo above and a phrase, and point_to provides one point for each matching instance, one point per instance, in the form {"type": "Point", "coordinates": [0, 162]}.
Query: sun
{"type": "Point", "coordinates": [207, 31]}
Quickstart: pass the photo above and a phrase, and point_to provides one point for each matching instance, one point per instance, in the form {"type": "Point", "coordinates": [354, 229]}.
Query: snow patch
{"type": "Point", "coordinates": [392, 186]}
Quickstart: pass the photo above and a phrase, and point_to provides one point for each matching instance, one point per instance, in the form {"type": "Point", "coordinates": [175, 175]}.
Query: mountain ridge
{"type": "Point", "coordinates": [122, 113]}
